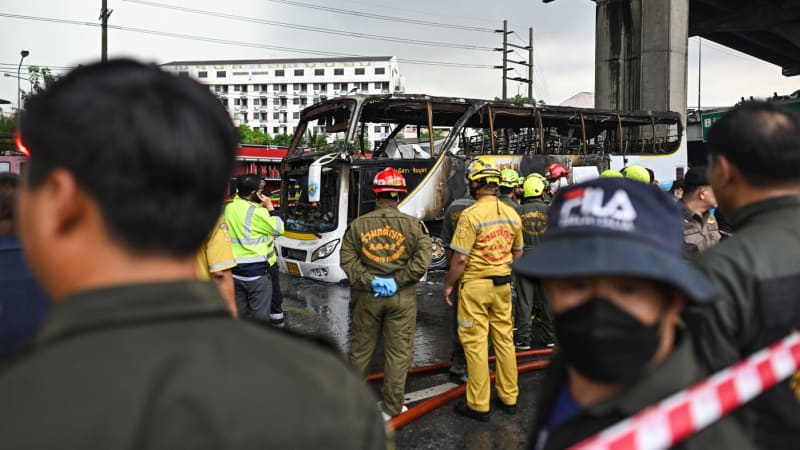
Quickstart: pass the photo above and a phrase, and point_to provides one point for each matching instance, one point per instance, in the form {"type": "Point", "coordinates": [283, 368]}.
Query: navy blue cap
{"type": "Point", "coordinates": [615, 226]}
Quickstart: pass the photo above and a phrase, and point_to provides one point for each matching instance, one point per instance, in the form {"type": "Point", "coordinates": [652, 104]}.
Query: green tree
{"type": "Point", "coordinates": [41, 78]}
{"type": "Point", "coordinates": [282, 139]}
{"type": "Point", "coordinates": [316, 140]}
{"type": "Point", "coordinates": [518, 99]}
{"type": "Point", "coordinates": [250, 136]}
{"type": "Point", "coordinates": [8, 124]}
{"type": "Point", "coordinates": [437, 134]}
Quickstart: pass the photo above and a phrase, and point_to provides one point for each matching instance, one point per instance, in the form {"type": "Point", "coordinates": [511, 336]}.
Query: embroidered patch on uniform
{"type": "Point", "coordinates": [534, 223]}
{"type": "Point", "coordinates": [496, 245]}
{"type": "Point", "coordinates": [710, 220]}
{"type": "Point", "coordinates": [383, 245]}
{"type": "Point", "coordinates": [224, 228]}
{"type": "Point", "coordinates": [465, 323]}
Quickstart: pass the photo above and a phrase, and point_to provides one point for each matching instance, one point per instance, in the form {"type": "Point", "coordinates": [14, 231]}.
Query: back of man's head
{"type": "Point", "coordinates": [154, 151]}
{"type": "Point", "coordinates": [246, 184]}
{"type": "Point", "coordinates": [760, 139]}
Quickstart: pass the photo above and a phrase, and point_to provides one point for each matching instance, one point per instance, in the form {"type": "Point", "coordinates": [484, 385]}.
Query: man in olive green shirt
{"type": "Point", "coordinates": [137, 353]}
{"type": "Point", "coordinates": [754, 155]}
{"type": "Point", "coordinates": [384, 253]}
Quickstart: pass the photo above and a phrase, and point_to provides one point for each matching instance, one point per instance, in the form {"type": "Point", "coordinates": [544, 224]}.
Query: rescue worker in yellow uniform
{"type": "Point", "coordinates": [384, 254]}
{"type": "Point", "coordinates": [215, 261]}
{"type": "Point", "coordinates": [530, 298]}
{"type": "Point", "coordinates": [488, 237]}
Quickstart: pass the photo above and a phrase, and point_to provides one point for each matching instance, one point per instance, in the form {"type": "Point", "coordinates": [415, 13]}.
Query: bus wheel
{"type": "Point", "coordinates": [438, 260]}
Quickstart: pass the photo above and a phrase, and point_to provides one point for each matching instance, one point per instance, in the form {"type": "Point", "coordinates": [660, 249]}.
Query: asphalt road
{"type": "Point", "coordinates": [325, 310]}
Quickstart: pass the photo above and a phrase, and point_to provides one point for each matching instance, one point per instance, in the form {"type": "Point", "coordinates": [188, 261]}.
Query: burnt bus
{"type": "Point", "coordinates": [326, 182]}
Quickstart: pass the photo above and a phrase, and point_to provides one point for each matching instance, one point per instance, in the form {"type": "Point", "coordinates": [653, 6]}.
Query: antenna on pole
{"type": "Point", "coordinates": [104, 15]}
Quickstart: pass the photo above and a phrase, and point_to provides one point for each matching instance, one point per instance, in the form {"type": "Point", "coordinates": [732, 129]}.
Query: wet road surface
{"type": "Point", "coordinates": [325, 309]}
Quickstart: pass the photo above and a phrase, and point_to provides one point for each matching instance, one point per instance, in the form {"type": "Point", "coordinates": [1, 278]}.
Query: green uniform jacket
{"type": "Point", "coordinates": [533, 212]}
{"type": "Point", "coordinates": [164, 366]}
{"type": "Point", "coordinates": [385, 243]}
{"type": "Point", "coordinates": [677, 372]}
{"type": "Point", "coordinates": [451, 217]}
{"type": "Point", "coordinates": [758, 272]}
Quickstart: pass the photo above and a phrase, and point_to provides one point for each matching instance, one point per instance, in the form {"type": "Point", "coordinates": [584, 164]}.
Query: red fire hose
{"type": "Point", "coordinates": [443, 366]}
{"type": "Point", "coordinates": [432, 403]}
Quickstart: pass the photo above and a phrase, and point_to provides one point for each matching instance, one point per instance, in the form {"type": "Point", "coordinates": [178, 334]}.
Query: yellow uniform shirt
{"type": "Point", "coordinates": [216, 253]}
{"type": "Point", "coordinates": [487, 232]}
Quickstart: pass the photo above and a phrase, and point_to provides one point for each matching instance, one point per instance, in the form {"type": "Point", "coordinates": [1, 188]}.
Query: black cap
{"type": "Point", "coordinates": [696, 176]}
{"type": "Point", "coordinates": [615, 226]}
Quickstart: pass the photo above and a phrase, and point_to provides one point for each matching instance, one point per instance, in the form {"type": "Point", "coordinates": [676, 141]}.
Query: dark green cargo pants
{"type": "Point", "coordinates": [395, 317]}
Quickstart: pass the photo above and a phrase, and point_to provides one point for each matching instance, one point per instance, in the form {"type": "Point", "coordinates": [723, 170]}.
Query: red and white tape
{"type": "Point", "coordinates": [686, 412]}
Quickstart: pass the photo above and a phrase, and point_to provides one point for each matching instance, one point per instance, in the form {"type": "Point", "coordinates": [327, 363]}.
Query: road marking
{"type": "Point", "coordinates": [413, 397]}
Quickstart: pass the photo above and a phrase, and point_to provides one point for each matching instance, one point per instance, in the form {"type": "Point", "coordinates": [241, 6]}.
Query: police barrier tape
{"type": "Point", "coordinates": [686, 412]}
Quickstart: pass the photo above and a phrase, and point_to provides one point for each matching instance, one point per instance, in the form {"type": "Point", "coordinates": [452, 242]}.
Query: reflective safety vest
{"type": "Point", "coordinates": [252, 232]}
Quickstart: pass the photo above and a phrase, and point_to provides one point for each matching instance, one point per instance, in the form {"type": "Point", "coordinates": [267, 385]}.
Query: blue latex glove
{"type": "Point", "coordinates": [390, 286]}
{"type": "Point", "coordinates": [379, 286]}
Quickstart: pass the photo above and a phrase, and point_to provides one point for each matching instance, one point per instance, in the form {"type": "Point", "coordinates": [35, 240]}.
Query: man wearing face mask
{"type": "Point", "coordinates": [611, 266]}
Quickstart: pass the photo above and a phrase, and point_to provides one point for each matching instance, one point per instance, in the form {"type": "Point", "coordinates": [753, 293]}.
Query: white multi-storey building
{"type": "Point", "coordinates": [268, 94]}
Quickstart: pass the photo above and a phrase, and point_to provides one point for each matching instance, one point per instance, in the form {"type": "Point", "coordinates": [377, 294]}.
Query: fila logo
{"type": "Point", "coordinates": [585, 207]}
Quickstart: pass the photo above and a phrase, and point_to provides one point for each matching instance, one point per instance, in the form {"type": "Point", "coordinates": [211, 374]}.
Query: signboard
{"type": "Point", "coordinates": [708, 119]}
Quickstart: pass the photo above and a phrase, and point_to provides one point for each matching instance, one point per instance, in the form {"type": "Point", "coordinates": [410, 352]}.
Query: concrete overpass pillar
{"type": "Point", "coordinates": [640, 55]}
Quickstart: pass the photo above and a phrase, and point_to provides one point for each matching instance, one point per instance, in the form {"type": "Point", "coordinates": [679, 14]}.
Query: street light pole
{"type": "Point", "coordinates": [22, 55]}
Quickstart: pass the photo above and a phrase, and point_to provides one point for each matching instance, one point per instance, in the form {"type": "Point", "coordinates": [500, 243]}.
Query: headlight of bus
{"type": "Point", "coordinates": [325, 250]}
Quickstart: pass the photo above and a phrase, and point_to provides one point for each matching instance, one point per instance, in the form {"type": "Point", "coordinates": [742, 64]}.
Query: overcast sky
{"type": "Point", "coordinates": [563, 35]}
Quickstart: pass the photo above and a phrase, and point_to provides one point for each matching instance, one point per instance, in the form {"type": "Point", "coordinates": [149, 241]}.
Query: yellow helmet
{"type": "Point", "coordinates": [611, 173]}
{"type": "Point", "coordinates": [533, 186]}
{"type": "Point", "coordinates": [638, 173]}
{"type": "Point", "coordinates": [509, 178]}
{"type": "Point", "coordinates": [484, 169]}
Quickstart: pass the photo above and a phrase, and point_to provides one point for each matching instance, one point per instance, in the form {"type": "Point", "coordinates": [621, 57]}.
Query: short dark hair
{"type": "Point", "coordinates": [246, 184]}
{"type": "Point", "coordinates": [761, 139]}
{"type": "Point", "coordinates": [152, 149]}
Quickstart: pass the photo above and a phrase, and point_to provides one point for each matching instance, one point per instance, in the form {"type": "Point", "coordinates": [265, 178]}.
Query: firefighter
{"type": "Point", "coordinates": [637, 173]}
{"type": "Point", "coordinates": [611, 264]}
{"type": "Point", "coordinates": [509, 179]}
{"type": "Point", "coordinates": [530, 298]}
{"type": "Point", "coordinates": [384, 253]}
{"type": "Point", "coordinates": [487, 238]}
{"type": "Point", "coordinates": [557, 176]}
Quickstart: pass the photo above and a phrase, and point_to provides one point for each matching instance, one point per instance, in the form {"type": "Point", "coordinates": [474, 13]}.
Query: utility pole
{"type": "Point", "coordinates": [530, 64]}
{"type": "Point", "coordinates": [505, 51]}
{"type": "Point", "coordinates": [699, 67]}
{"type": "Point", "coordinates": [505, 58]}
{"type": "Point", "coordinates": [104, 15]}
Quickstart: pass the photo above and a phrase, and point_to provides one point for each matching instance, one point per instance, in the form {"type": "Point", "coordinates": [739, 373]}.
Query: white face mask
{"type": "Point", "coordinates": [554, 186]}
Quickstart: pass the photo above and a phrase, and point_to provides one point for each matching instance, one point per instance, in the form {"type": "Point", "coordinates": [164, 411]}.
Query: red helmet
{"type": "Point", "coordinates": [389, 180]}
{"type": "Point", "coordinates": [556, 171]}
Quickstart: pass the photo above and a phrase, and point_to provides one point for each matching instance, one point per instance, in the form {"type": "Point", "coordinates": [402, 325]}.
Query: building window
{"type": "Point", "coordinates": [237, 88]}
{"type": "Point", "coordinates": [296, 115]}
{"type": "Point", "coordinates": [319, 72]}
{"type": "Point", "coordinates": [364, 87]}
{"type": "Point", "coordinates": [296, 101]}
{"type": "Point", "coordinates": [276, 116]}
{"type": "Point", "coordinates": [279, 73]}
{"type": "Point", "coordinates": [298, 72]}
{"type": "Point", "coordinates": [202, 74]}
{"type": "Point", "coordinates": [256, 102]}
{"type": "Point", "coordinates": [276, 87]}
{"type": "Point", "coordinates": [276, 130]}
{"type": "Point", "coordinates": [183, 73]}
{"type": "Point", "coordinates": [303, 101]}
{"type": "Point", "coordinates": [221, 74]}
{"type": "Point", "coordinates": [338, 72]}
{"type": "Point", "coordinates": [380, 71]}
{"type": "Point", "coordinates": [359, 71]}
{"type": "Point", "coordinates": [283, 101]}
{"type": "Point", "coordinates": [338, 86]}
{"type": "Point", "coordinates": [377, 128]}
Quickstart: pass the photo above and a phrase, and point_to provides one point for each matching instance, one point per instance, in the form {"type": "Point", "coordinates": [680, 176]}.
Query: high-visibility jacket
{"type": "Point", "coordinates": [252, 232]}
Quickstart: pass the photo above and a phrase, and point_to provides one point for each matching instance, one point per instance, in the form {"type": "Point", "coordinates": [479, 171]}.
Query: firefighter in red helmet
{"type": "Point", "coordinates": [384, 253]}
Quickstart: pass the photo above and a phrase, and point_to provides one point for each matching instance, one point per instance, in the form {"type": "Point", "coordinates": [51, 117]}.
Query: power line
{"type": "Point", "coordinates": [238, 43]}
{"type": "Point", "coordinates": [311, 28]}
{"type": "Point", "coordinates": [383, 17]}
{"type": "Point", "coordinates": [439, 14]}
